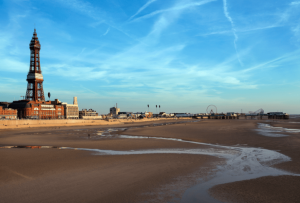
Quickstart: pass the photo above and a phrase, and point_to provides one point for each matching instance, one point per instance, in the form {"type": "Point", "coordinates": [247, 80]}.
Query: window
{"type": "Point", "coordinates": [37, 55]}
{"type": "Point", "coordinates": [37, 59]}
{"type": "Point", "coordinates": [37, 63]}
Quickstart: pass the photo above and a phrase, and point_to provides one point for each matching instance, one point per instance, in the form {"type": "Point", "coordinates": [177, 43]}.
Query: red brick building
{"type": "Point", "coordinates": [7, 113]}
{"type": "Point", "coordinates": [38, 109]}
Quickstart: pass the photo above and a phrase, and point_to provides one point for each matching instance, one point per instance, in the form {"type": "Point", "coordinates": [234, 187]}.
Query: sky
{"type": "Point", "coordinates": [184, 55]}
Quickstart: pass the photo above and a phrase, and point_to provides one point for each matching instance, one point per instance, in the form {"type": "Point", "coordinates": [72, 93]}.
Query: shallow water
{"type": "Point", "coordinates": [270, 131]}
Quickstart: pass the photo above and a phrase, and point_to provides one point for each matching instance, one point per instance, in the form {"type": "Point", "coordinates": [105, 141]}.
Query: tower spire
{"type": "Point", "coordinates": [35, 78]}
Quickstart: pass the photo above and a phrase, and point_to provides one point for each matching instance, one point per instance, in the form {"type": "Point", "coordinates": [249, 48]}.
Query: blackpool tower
{"type": "Point", "coordinates": [35, 79]}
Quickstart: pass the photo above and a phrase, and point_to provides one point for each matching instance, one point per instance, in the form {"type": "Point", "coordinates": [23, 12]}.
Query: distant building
{"type": "Point", "coordinates": [143, 114]}
{"type": "Point", "coordinates": [71, 110]}
{"type": "Point", "coordinates": [230, 114]}
{"type": "Point", "coordinates": [183, 115]}
{"type": "Point", "coordinates": [126, 113]}
{"type": "Point", "coordinates": [278, 115]}
{"type": "Point", "coordinates": [85, 112]}
{"type": "Point", "coordinates": [114, 111]}
{"type": "Point", "coordinates": [7, 113]}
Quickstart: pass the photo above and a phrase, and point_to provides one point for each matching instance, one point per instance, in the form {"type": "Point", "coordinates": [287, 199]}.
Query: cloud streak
{"type": "Point", "coordinates": [141, 9]}
{"type": "Point", "coordinates": [175, 8]}
{"type": "Point", "coordinates": [106, 32]}
{"type": "Point", "coordinates": [226, 13]}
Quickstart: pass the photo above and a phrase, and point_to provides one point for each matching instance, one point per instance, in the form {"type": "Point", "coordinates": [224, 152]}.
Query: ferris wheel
{"type": "Point", "coordinates": [211, 109]}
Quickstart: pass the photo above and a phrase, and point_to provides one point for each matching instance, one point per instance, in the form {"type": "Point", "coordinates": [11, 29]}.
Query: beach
{"type": "Point", "coordinates": [153, 161]}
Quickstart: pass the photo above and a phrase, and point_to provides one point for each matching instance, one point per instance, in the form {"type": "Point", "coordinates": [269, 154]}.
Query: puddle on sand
{"type": "Point", "coordinates": [29, 147]}
{"type": "Point", "coordinates": [270, 131]}
{"type": "Point", "coordinates": [106, 133]}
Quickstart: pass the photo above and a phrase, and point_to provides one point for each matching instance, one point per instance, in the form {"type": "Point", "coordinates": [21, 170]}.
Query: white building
{"type": "Point", "coordinates": [71, 110]}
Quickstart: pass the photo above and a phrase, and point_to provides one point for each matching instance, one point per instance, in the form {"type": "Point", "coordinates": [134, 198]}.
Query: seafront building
{"type": "Point", "coordinates": [7, 113]}
{"type": "Point", "coordinates": [34, 105]}
{"type": "Point", "coordinates": [71, 110]}
{"type": "Point", "coordinates": [114, 111]}
{"type": "Point", "coordinates": [84, 113]}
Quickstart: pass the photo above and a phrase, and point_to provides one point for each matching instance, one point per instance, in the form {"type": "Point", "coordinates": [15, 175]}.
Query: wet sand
{"type": "Point", "coordinates": [48, 175]}
{"type": "Point", "coordinates": [55, 175]}
{"type": "Point", "coordinates": [265, 189]}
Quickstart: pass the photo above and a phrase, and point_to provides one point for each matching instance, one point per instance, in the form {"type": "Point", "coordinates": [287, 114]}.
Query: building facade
{"type": "Point", "coordinates": [113, 111]}
{"type": "Point", "coordinates": [71, 110]}
{"type": "Point", "coordinates": [38, 109]}
{"type": "Point", "coordinates": [7, 113]}
{"type": "Point", "coordinates": [85, 112]}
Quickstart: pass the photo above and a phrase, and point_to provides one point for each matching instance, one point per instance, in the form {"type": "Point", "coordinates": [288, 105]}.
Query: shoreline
{"type": "Point", "coordinates": [19, 124]}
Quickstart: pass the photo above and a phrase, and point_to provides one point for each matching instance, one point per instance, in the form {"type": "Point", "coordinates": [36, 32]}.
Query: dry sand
{"type": "Point", "coordinates": [54, 175]}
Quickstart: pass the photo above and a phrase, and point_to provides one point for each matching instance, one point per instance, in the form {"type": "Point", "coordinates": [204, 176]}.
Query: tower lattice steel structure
{"type": "Point", "coordinates": [35, 78]}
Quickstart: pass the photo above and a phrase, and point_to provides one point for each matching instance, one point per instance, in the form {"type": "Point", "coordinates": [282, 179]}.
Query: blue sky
{"type": "Point", "coordinates": [181, 54]}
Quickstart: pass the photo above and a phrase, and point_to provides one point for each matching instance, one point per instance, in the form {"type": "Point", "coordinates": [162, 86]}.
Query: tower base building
{"type": "Point", "coordinates": [34, 106]}
{"type": "Point", "coordinates": [38, 109]}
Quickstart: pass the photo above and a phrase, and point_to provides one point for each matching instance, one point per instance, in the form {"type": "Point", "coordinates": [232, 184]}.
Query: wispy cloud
{"type": "Point", "coordinates": [288, 57]}
{"type": "Point", "coordinates": [142, 8]}
{"type": "Point", "coordinates": [106, 32]}
{"type": "Point", "coordinates": [95, 13]}
{"type": "Point", "coordinates": [9, 64]}
{"type": "Point", "coordinates": [85, 8]}
{"type": "Point", "coordinates": [216, 33]}
{"type": "Point", "coordinates": [177, 7]}
{"type": "Point", "coordinates": [296, 31]}
{"type": "Point", "coordinates": [295, 3]}
{"type": "Point", "coordinates": [233, 29]}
